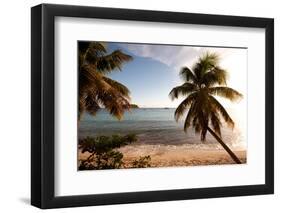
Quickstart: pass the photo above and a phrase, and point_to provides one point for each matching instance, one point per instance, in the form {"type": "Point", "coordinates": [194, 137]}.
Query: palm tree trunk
{"type": "Point", "coordinates": [232, 155]}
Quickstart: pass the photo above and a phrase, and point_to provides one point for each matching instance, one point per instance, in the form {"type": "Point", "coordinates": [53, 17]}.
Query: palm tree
{"type": "Point", "coordinates": [96, 90]}
{"type": "Point", "coordinates": [206, 80]}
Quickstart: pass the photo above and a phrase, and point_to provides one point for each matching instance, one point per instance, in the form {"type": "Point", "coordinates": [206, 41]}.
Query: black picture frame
{"type": "Point", "coordinates": [43, 110]}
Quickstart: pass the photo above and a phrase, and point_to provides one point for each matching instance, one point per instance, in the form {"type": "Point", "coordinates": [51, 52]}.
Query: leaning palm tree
{"type": "Point", "coordinates": [206, 80]}
{"type": "Point", "coordinates": [96, 90]}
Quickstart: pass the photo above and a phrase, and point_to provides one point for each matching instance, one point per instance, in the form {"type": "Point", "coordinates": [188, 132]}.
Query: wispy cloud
{"type": "Point", "coordinates": [171, 55]}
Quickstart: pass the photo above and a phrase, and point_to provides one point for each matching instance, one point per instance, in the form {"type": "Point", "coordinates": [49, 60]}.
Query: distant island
{"type": "Point", "coordinates": [134, 106]}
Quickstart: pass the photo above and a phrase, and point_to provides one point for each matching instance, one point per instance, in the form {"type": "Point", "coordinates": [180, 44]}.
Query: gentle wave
{"type": "Point", "coordinates": [155, 127]}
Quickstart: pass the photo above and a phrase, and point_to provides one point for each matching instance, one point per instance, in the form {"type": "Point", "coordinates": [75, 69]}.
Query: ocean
{"type": "Point", "coordinates": [157, 126]}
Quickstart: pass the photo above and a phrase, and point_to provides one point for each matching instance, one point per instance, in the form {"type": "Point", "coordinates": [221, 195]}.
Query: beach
{"type": "Point", "coordinates": [163, 139]}
{"type": "Point", "coordinates": [181, 155]}
{"type": "Point", "coordinates": [167, 156]}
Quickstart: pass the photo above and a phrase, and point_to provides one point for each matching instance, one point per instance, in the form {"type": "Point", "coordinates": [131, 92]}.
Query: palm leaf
{"type": "Point", "coordinates": [189, 116]}
{"type": "Point", "coordinates": [215, 76]}
{"type": "Point", "coordinates": [205, 64]}
{"type": "Point", "coordinates": [187, 75]}
{"type": "Point", "coordinates": [108, 63]}
{"type": "Point", "coordinates": [225, 92]}
{"type": "Point", "coordinates": [90, 51]}
{"type": "Point", "coordinates": [118, 86]}
{"type": "Point", "coordinates": [115, 103]}
{"type": "Point", "coordinates": [215, 104]}
{"type": "Point", "coordinates": [95, 89]}
{"type": "Point", "coordinates": [91, 105]}
{"type": "Point", "coordinates": [215, 121]}
{"type": "Point", "coordinates": [183, 90]}
{"type": "Point", "coordinates": [183, 105]}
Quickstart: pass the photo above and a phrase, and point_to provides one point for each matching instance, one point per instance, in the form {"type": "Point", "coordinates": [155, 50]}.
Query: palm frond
{"type": "Point", "coordinates": [95, 50]}
{"type": "Point", "coordinates": [92, 105]}
{"type": "Point", "coordinates": [183, 90]}
{"type": "Point", "coordinates": [95, 89]}
{"type": "Point", "coordinates": [226, 92]}
{"type": "Point", "coordinates": [200, 121]}
{"type": "Point", "coordinates": [183, 105]}
{"type": "Point", "coordinates": [198, 71]}
{"type": "Point", "coordinates": [118, 86]}
{"type": "Point", "coordinates": [115, 103]}
{"type": "Point", "coordinates": [215, 122]}
{"type": "Point", "coordinates": [215, 104]}
{"type": "Point", "coordinates": [91, 81]}
{"type": "Point", "coordinates": [189, 116]}
{"type": "Point", "coordinates": [216, 75]}
{"type": "Point", "coordinates": [203, 134]}
{"type": "Point", "coordinates": [90, 51]}
{"type": "Point", "coordinates": [187, 75]}
{"type": "Point", "coordinates": [196, 124]}
{"type": "Point", "coordinates": [209, 60]}
{"type": "Point", "coordinates": [205, 63]}
{"type": "Point", "coordinates": [108, 63]}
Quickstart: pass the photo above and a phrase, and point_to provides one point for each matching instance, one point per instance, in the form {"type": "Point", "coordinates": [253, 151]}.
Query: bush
{"type": "Point", "coordinates": [102, 153]}
{"type": "Point", "coordinates": [142, 162]}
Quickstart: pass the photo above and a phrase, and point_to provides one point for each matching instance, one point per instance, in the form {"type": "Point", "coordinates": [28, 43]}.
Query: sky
{"type": "Point", "coordinates": [154, 71]}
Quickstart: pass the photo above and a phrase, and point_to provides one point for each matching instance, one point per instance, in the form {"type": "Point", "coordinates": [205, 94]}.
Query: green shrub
{"type": "Point", "coordinates": [102, 153]}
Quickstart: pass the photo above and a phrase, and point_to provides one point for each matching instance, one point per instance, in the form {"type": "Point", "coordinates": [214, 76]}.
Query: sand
{"type": "Point", "coordinates": [169, 156]}
{"type": "Point", "coordinates": [184, 157]}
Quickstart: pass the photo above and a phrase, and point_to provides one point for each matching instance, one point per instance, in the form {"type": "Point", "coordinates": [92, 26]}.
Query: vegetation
{"type": "Point", "coordinates": [201, 83]}
{"type": "Point", "coordinates": [96, 90]}
{"type": "Point", "coordinates": [134, 106]}
{"type": "Point", "coordinates": [103, 153]}
{"type": "Point", "coordinates": [142, 162]}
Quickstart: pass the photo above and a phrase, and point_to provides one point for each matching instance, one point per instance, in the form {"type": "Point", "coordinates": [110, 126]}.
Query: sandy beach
{"type": "Point", "coordinates": [183, 155]}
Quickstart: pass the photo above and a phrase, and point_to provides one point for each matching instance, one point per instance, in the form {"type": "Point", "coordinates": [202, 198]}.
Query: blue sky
{"type": "Point", "coordinates": [149, 80]}
{"type": "Point", "coordinates": [154, 71]}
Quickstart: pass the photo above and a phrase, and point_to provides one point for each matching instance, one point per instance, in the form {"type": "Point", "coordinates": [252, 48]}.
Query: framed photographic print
{"type": "Point", "coordinates": [140, 106]}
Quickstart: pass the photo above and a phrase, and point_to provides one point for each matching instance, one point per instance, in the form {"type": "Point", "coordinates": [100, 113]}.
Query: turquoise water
{"type": "Point", "coordinates": [152, 126]}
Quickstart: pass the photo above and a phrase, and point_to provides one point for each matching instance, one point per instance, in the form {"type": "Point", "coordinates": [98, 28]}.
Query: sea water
{"type": "Point", "coordinates": [157, 126]}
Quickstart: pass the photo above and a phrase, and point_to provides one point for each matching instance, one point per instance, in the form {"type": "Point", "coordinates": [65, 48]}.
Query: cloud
{"type": "Point", "coordinates": [171, 55]}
